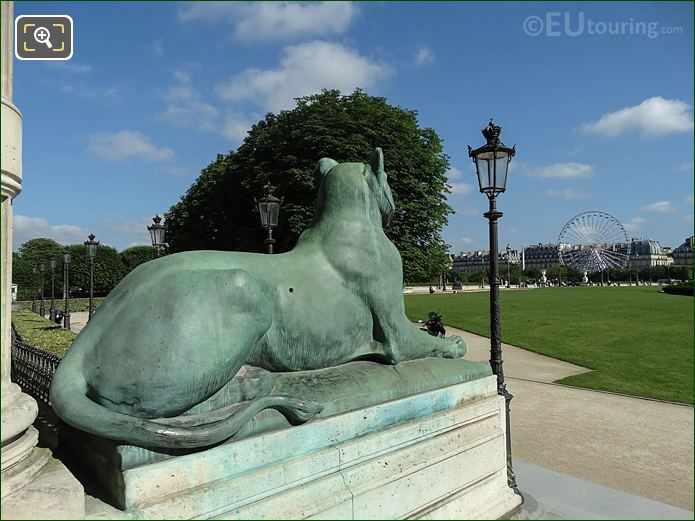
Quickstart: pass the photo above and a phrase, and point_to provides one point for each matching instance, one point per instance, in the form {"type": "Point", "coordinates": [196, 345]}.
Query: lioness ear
{"type": "Point", "coordinates": [377, 161]}
{"type": "Point", "coordinates": [324, 166]}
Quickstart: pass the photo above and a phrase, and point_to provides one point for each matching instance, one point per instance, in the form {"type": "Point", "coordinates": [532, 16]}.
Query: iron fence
{"type": "Point", "coordinates": [32, 368]}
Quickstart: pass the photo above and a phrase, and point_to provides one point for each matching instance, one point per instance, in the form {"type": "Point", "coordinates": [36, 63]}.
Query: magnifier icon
{"type": "Point", "coordinates": [43, 35]}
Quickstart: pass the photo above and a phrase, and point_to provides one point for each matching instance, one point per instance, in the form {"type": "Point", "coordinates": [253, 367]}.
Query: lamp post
{"type": "Point", "coordinates": [508, 267]}
{"type": "Point", "coordinates": [269, 209]}
{"type": "Point", "coordinates": [91, 246]}
{"type": "Point", "coordinates": [157, 232]}
{"type": "Point", "coordinates": [42, 268]}
{"type": "Point", "coordinates": [51, 309]}
{"type": "Point", "coordinates": [34, 290]}
{"type": "Point", "coordinates": [66, 287]}
{"type": "Point", "coordinates": [491, 164]}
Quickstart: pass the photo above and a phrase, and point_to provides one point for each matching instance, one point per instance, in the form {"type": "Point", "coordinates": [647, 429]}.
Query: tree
{"type": "Point", "coordinates": [30, 254]}
{"type": "Point", "coordinates": [218, 210]}
{"type": "Point", "coordinates": [132, 257]}
{"type": "Point", "coordinates": [108, 269]}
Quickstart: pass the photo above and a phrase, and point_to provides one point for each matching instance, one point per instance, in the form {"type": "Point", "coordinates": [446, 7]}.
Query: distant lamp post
{"type": "Point", "coordinates": [42, 269]}
{"type": "Point", "coordinates": [508, 264]}
{"type": "Point", "coordinates": [51, 310]}
{"type": "Point", "coordinates": [91, 246]}
{"type": "Point", "coordinates": [491, 164]}
{"type": "Point", "coordinates": [269, 209]}
{"type": "Point", "coordinates": [34, 291]}
{"type": "Point", "coordinates": [66, 287]}
{"type": "Point", "coordinates": [157, 233]}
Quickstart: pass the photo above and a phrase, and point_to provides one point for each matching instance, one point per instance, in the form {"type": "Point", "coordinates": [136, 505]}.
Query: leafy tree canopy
{"type": "Point", "coordinates": [108, 268]}
{"type": "Point", "coordinates": [132, 257]}
{"type": "Point", "coordinates": [29, 255]}
{"type": "Point", "coordinates": [218, 210]}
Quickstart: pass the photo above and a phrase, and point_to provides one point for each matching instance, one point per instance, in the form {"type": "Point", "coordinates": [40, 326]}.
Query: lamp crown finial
{"type": "Point", "coordinates": [157, 219]}
{"type": "Point", "coordinates": [92, 236]}
{"type": "Point", "coordinates": [492, 133]}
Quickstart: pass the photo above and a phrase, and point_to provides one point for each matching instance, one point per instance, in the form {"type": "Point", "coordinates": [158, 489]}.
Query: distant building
{"type": "Point", "coordinates": [645, 253]}
{"type": "Point", "coordinates": [480, 260]}
{"type": "Point", "coordinates": [544, 256]}
{"type": "Point", "coordinates": [683, 255]}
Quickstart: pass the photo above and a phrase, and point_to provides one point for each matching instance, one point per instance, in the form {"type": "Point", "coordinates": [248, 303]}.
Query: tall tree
{"type": "Point", "coordinates": [132, 257]}
{"type": "Point", "coordinates": [30, 254]}
{"type": "Point", "coordinates": [218, 210]}
{"type": "Point", "coordinates": [108, 269]}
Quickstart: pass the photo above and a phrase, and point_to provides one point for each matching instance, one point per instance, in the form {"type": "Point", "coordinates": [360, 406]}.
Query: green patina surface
{"type": "Point", "coordinates": [173, 334]}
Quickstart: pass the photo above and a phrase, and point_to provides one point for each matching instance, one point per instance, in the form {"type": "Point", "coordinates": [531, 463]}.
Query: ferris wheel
{"type": "Point", "coordinates": [593, 241]}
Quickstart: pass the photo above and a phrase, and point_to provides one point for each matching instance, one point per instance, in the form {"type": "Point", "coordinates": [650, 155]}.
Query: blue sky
{"type": "Point", "coordinates": [155, 90]}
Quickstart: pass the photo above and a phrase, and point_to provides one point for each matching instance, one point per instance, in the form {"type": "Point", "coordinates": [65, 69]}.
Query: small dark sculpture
{"type": "Point", "coordinates": [434, 325]}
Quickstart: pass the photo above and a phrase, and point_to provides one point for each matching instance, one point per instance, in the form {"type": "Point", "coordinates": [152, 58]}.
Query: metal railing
{"type": "Point", "coordinates": [32, 368]}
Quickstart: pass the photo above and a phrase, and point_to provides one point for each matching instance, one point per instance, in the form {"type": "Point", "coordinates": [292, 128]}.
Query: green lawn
{"type": "Point", "coordinates": [638, 341]}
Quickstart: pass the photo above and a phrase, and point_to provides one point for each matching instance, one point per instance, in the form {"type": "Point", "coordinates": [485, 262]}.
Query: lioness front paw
{"type": "Point", "coordinates": [450, 347]}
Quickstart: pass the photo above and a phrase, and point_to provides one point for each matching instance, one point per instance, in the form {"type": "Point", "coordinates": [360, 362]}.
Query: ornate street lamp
{"type": "Point", "coordinates": [35, 271]}
{"type": "Point", "coordinates": [42, 268]}
{"type": "Point", "coordinates": [269, 208]}
{"type": "Point", "coordinates": [91, 246]}
{"type": "Point", "coordinates": [157, 233]}
{"type": "Point", "coordinates": [491, 164]}
{"type": "Point", "coordinates": [66, 287]}
{"type": "Point", "coordinates": [51, 310]}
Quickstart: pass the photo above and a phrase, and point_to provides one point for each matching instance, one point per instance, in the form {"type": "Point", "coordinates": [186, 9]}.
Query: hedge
{"type": "Point", "coordinates": [41, 332]}
{"type": "Point", "coordinates": [76, 304]}
{"type": "Point", "coordinates": [685, 288]}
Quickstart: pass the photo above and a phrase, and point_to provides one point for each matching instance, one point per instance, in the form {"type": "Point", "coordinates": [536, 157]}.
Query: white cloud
{"type": "Point", "coordinates": [686, 166]}
{"type": "Point", "coordinates": [136, 228]}
{"type": "Point", "coordinates": [453, 173]}
{"type": "Point", "coordinates": [566, 193]}
{"type": "Point", "coordinates": [660, 207]}
{"type": "Point", "coordinates": [90, 92]}
{"type": "Point", "coordinates": [460, 188]}
{"type": "Point", "coordinates": [461, 243]}
{"type": "Point", "coordinates": [563, 170]}
{"type": "Point", "coordinates": [71, 66]}
{"type": "Point", "coordinates": [423, 56]}
{"type": "Point", "coordinates": [175, 170]}
{"type": "Point", "coordinates": [156, 47]}
{"type": "Point", "coordinates": [235, 127]}
{"type": "Point", "coordinates": [634, 224]}
{"type": "Point", "coordinates": [653, 117]}
{"type": "Point", "coordinates": [186, 106]}
{"type": "Point", "coordinates": [270, 21]}
{"type": "Point", "coordinates": [26, 228]}
{"type": "Point", "coordinates": [126, 144]}
{"type": "Point", "coordinates": [304, 69]}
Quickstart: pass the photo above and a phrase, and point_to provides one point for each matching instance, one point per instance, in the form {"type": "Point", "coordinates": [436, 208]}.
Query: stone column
{"type": "Point", "coordinates": [33, 484]}
{"type": "Point", "coordinates": [18, 410]}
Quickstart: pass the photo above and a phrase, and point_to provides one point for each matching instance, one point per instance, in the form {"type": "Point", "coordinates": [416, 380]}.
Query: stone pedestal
{"type": "Point", "coordinates": [432, 455]}
{"type": "Point", "coordinates": [34, 485]}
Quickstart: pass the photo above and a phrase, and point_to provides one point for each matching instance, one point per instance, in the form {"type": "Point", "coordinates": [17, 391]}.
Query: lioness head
{"type": "Point", "coordinates": [361, 186]}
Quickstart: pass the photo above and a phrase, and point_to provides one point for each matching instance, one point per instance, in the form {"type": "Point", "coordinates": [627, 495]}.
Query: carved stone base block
{"type": "Point", "coordinates": [435, 454]}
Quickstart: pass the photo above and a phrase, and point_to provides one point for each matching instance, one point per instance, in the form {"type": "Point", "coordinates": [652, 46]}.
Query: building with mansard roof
{"type": "Point", "coordinates": [683, 254]}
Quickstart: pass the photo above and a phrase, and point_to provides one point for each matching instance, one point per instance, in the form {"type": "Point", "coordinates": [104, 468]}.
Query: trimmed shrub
{"type": "Point", "coordinates": [76, 304]}
{"type": "Point", "coordinates": [686, 288]}
{"type": "Point", "coordinates": [41, 332]}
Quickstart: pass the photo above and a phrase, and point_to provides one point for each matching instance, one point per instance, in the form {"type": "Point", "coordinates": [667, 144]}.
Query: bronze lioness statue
{"type": "Point", "coordinates": [177, 330]}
